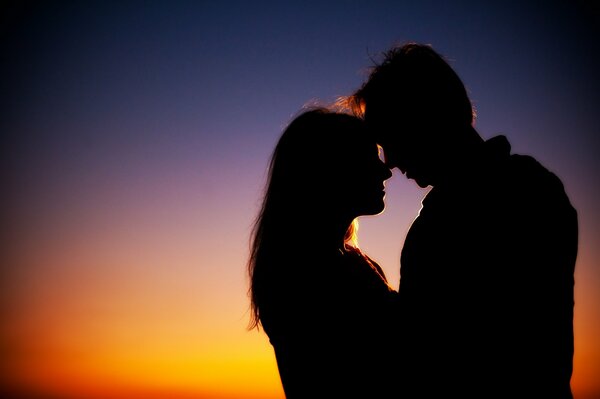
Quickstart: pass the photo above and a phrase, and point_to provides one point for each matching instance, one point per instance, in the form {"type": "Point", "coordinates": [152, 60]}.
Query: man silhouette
{"type": "Point", "coordinates": [487, 268]}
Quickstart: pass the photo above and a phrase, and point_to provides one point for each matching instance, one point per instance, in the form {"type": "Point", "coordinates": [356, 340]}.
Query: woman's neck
{"type": "Point", "coordinates": [331, 236]}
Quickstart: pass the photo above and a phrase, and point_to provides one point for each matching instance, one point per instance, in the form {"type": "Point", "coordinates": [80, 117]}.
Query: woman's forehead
{"type": "Point", "coordinates": [365, 146]}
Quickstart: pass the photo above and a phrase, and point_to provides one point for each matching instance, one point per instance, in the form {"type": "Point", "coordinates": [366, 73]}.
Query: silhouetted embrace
{"type": "Point", "coordinates": [326, 307]}
{"type": "Point", "coordinates": [487, 267]}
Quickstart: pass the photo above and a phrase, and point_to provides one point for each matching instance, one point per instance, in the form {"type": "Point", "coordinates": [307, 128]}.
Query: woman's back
{"type": "Point", "coordinates": [332, 330]}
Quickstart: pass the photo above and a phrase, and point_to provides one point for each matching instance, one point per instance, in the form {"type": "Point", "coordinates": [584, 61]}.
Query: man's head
{"type": "Point", "coordinates": [418, 108]}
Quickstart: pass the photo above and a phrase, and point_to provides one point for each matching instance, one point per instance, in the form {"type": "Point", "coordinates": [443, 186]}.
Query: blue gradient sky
{"type": "Point", "coordinates": [136, 139]}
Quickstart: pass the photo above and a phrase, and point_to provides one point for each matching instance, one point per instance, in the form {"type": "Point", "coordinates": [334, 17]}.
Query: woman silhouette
{"type": "Point", "coordinates": [326, 307]}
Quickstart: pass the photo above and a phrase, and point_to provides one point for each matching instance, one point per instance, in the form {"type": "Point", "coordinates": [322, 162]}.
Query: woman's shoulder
{"type": "Point", "coordinates": [368, 263]}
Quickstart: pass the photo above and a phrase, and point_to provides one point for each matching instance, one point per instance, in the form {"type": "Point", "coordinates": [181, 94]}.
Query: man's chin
{"type": "Point", "coordinates": [421, 183]}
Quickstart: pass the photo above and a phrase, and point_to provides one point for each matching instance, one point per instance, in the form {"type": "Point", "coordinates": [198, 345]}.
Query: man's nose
{"type": "Point", "coordinates": [394, 164]}
{"type": "Point", "coordinates": [385, 170]}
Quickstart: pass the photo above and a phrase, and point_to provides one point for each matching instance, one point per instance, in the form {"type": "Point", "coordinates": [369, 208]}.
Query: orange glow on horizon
{"type": "Point", "coordinates": [110, 365]}
{"type": "Point", "coordinates": [123, 357]}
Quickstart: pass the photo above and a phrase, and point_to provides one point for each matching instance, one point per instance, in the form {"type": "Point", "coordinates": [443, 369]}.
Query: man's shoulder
{"type": "Point", "coordinates": [516, 166]}
{"type": "Point", "coordinates": [536, 182]}
{"type": "Point", "coordinates": [528, 171]}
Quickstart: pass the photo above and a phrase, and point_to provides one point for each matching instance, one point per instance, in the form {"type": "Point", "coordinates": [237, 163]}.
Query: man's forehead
{"type": "Point", "coordinates": [376, 110]}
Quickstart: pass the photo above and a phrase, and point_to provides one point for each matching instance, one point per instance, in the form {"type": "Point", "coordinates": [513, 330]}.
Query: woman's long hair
{"type": "Point", "coordinates": [307, 158]}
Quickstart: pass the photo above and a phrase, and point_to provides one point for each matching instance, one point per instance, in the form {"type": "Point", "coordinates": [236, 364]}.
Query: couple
{"type": "Point", "coordinates": [485, 303]}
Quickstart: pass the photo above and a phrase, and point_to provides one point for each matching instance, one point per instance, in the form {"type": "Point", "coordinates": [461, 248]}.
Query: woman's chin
{"type": "Point", "coordinates": [374, 209]}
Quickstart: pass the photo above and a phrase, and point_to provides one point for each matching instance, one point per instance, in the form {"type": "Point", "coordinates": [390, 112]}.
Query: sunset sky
{"type": "Point", "coordinates": [136, 137]}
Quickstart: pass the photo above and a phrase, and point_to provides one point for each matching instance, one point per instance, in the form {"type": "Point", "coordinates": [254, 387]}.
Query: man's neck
{"type": "Point", "coordinates": [466, 160]}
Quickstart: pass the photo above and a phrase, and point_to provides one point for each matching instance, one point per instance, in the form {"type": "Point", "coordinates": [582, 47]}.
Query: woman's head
{"type": "Point", "coordinates": [326, 165]}
{"type": "Point", "coordinates": [324, 173]}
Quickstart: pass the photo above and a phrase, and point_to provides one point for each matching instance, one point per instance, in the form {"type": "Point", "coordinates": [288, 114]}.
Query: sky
{"type": "Point", "coordinates": [136, 137]}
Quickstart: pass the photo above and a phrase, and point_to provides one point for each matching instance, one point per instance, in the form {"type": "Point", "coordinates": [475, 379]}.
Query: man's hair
{"type": "Point", "coordinates": [418, 80]}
